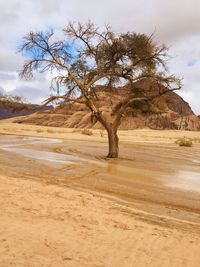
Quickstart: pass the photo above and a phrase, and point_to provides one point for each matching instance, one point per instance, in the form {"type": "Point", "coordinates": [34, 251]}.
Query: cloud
{"type": "Point", "coordinates": [2, 91]}
{"type": "Point", "coordinates": [176, 23]}
{"type": "Point", "coordinates": [177, 19]}
{"type": "Point", "coordinates": [9, 60]}
{"type": "Point", "coordinates": [7, 76]}
{"type": "Point", "coordinates": [31, 94]}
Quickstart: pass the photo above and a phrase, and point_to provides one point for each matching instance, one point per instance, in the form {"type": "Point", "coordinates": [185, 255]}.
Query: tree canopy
{"type": "Point", "coordinates": [86, 56]}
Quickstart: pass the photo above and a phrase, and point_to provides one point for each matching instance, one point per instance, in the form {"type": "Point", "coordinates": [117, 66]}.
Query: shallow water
{"type": "Point", "coordinates": [16, 145]}
{"type": "Point", "coordinates": [187, 180]}
{"type": "Point", "coordinates": [51, 157]}
{"type": "Point", "coordinates": [114, 170]}
{"type": "Point", "coordinates": [46, 156]}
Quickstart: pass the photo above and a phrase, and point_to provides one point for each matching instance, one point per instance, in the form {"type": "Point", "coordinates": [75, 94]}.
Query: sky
{"type": "Point", "coordinates": [175, 23]}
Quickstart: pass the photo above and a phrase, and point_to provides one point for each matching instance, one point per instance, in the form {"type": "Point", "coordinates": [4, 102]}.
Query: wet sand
{"type": "Point", "coordinates": [147, 201]}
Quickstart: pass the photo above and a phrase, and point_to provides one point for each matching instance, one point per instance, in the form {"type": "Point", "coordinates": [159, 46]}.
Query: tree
{"type": "Point", "coordinates": [87, 56]}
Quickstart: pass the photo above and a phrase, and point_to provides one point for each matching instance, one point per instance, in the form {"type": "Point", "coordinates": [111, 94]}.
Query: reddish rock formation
{"type": "Point", "coordinates": [176, 113]}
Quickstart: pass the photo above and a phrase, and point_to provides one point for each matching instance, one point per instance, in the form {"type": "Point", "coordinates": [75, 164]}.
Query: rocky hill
{"type": "Point", "coordinates": [10, 108]}
{"type": "Point", "coordinates": [176, 113]}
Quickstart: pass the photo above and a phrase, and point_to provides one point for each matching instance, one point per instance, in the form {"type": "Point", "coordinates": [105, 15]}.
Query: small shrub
{"type": "Point", "coordinates": [87, 132]}
{"type": "Point", "coordinates": [39, 130]}
{"type": "Point", "coordinates": [102, 133]}
{"type": "Point", "coordinates": [50, 131]}
{"type": "Point", "coordinates": [187, 142]}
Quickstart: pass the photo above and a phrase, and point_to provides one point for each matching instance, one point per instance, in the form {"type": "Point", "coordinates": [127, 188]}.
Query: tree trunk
{"type": "Point", "coordinates": [113, 143]}
{"type": "Point", "coordinates": [111, 129]}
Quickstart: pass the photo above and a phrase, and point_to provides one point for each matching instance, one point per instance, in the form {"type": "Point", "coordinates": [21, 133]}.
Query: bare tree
{"type": "Point", "coordinates": [87, 56]}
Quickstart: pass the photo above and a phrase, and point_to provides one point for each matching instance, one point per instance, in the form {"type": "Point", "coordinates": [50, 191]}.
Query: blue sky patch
{"type": "Point", "coordinates": [192, 62]}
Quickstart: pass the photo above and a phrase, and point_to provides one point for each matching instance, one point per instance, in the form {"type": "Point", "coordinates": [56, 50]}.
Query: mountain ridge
{"type": "Point", "coordinates": [10, 108]}
{"type": "Point", "coordinates": [177, 113]}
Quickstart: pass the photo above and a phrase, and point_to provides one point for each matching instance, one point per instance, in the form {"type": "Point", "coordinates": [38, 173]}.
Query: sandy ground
{"type": "Point", "coordinates": [140, 210]}
{"type": "Point", "coordinates": [46, 225]}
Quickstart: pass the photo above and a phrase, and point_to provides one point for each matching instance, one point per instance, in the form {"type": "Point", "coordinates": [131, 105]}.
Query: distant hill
{"type": "Point", "coordinates": [9, 108]}
{"type": "Point", "coordinates": [177, 114]}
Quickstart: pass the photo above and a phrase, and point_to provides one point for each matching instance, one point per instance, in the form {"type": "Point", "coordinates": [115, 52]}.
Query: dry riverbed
{"type": "Point", "coordinates": [63, 204]}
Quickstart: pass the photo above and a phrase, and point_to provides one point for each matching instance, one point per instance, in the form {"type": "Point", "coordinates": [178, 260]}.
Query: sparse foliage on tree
{"type": "Point", "coordinates": [87, 57]}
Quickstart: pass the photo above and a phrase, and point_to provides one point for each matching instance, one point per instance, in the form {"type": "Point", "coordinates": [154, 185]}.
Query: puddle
{"type": "Point", "coordinates": [16, 145]}
{"type": "Point", "coordinates": [129, 173]}
{"type": "Point", "coordinates": [51, 157]}
{"type": "Point", "coordinates": [15, 141]}
{"type": "Point", "coordinates": [186, 180]}
{"type": "Point", "coordinates": [183, 180]}
{"type": "Point", "coordinates": [196, 161]}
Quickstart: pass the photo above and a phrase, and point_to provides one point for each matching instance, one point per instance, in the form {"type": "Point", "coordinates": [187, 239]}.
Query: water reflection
{"type": "Point", "coordinates": [118, 171]}
{"type": "Point", "coordinates": [187, 180]}
{"type": "Point", "coordinates": [52, 157]}
{"type": "Point", "coordinates": [16, 143]}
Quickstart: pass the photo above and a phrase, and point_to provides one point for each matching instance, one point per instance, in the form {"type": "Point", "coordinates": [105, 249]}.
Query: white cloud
{"type": "Point", "coordinates": [31, 94]}
{"type": "Point", "coordinates": [176, 23]}
{"type": "Point", "coordinates": [177, 19]}
{"type": "Point", "coordinates": [2, 91]}
{"type": "Point", "coordinates": [7, 76]}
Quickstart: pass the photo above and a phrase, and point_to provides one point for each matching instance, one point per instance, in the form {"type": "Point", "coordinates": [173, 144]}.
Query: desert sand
{"type": "Point", "coordinates": [79, 209]}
